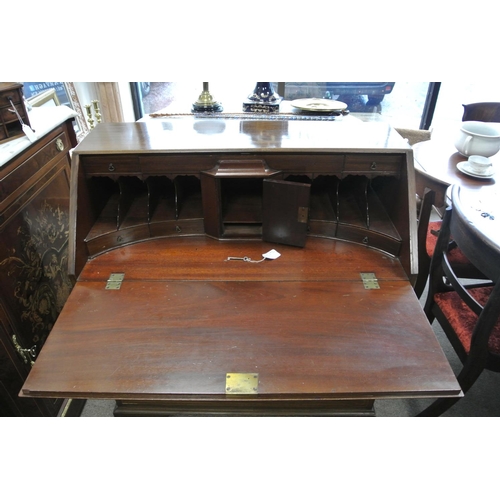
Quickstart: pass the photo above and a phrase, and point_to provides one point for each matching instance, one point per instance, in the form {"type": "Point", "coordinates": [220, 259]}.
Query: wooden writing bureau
{"type": "Point", "coordinates": [162, 322]}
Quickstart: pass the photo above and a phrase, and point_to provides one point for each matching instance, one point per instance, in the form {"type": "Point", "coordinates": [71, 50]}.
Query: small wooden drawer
{"type": "Point", "coordinates": [323, 228]}
{"type": "Point", "coordinates": [7, 113]}
{"type": "Point", "coordinates": [117, 239]}
{"type": "Point", "coordinates": [34, 166]}
{"type": "Point", "coordinates": [373, 163]}
{"type": "Point", "coordinates": [184, 227]}
{"type": "Point", "coordinates": [305, 163]}
{"type": "Point", "coordinates": [369, 238]}
{"type": "Point", "coordinates": [176, 164]}
{"type": "Point", "coordinates": [111, 165]}
{"type": "Point", "coordinates": [10, 95]}
{"type": "Point", "coordinates": [7, 116]}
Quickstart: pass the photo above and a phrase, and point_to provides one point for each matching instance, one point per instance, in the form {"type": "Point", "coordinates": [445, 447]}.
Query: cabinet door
{"type": "Point", "coordinates": [285, 209]}
{"type": "Point", "coordinates": [34, 277]}
{"type": "Point", "coordinates": [13, 372]}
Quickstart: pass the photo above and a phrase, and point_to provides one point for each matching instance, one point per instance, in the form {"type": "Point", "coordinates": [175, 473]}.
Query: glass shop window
{"type": "Point", "coordinates": [399, 103]}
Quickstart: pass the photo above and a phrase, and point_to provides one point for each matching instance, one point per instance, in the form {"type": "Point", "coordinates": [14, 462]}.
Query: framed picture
{"type": "Point", "coordinates": [32, 89]}
{"type": "Point", "coordinates": [46, 98]}
{"type": "Point", "coordinates": [57, 93]}
{"type": "Point", "coordinates": [81, 125]}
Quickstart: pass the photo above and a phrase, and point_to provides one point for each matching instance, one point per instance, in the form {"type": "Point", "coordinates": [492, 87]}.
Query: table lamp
{"type": "Point", "coordinates": [206, 103]}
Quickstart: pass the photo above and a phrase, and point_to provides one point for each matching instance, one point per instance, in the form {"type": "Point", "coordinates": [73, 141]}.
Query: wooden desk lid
{"type": "Point", "coordinates": [176, 331]}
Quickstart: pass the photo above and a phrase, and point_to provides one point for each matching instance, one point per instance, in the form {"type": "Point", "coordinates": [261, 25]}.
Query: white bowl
{"type": "Point", "coordinates": [478, 138]}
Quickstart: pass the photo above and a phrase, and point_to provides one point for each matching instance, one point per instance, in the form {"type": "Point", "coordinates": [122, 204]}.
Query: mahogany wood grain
{"type": "Point", "coordinates": [201, 258]}
{"type": "Point", "coordinates": [304, 322]}
{"type": "Point", "coordinates": [235, 148]}
{"type": "Point", "coordinates": [185, 315]}
{"type": "Point", "coordinates": [272, 138]}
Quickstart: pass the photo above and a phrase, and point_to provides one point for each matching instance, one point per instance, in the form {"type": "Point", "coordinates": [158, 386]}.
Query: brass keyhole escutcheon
{"type": "Point", "coordinates": [60, 145]}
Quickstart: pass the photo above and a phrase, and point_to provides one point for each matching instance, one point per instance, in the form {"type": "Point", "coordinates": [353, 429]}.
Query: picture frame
{"type": "Point", "coordinates": [46, 98]}
{"type": "Point", "coordinates": [42, 93]}
{"type": "Point", "coordinates": [81, 125]}
{"type": "Point", "coordinates": [33, 89]}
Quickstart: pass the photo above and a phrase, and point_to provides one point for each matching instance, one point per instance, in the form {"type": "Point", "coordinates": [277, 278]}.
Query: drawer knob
{"type": "Point", "coordinates": [373, 166]}
{"type": "Point", "coordinates": [111, 167]}
{"type": "Point", "coordinates": [60, 145]}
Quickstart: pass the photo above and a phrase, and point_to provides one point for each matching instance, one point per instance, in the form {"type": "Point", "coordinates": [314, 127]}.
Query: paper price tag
{"type": "Point", "coordinates": [29, 132]}
{"type": "Point", "coordinates": [272, 254]}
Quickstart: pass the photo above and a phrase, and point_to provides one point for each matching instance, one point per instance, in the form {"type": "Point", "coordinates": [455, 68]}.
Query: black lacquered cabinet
{"type": "Point", "coordinates": [34, 205]}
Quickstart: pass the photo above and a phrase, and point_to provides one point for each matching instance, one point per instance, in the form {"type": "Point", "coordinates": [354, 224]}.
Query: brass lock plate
{"type": "Point", "coordinates": [242, 383]}
{"type": "Point", "coordinates": [370, 281]}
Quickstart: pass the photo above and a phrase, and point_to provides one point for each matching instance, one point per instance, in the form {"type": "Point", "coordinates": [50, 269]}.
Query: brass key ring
{"type": "Point", "coordinates": [246, 259]}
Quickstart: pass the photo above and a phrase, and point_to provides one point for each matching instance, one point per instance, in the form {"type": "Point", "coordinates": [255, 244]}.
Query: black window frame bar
{"type": "Point", "coordinates": [430, 105]}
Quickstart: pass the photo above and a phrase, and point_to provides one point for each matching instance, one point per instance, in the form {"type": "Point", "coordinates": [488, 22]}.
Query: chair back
{"type": "Point", "coordinates": [482, 298]}
{"type": "Point", "coordinates": [424, 260]}
{"type": "Point", "coordinates": [468, 312]}
{"type": "Point", "coordinates": [481, 112]}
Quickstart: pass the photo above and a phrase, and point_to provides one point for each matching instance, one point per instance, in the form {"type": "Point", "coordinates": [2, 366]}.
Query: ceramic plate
{"type": "Point", "coordinates": [463, 166]}
{"type": "Point", "coordinates": [319, 105]}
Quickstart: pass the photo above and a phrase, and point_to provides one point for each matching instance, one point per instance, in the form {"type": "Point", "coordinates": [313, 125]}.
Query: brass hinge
{"type": "Point", "coordinates": [115, 281]}
{"type": "Point", "coordinates": [303, 214]}
{"type": "Point", "coordinates": [370, 281]}
{"type": "Point", "coordinates": [242, 383]}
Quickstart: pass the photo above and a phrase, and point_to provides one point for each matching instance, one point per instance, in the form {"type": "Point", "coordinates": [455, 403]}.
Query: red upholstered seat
{"type": "Point", "coordinates": [463, 320]}
{"type": "Point", "coordinates": [455, 256]}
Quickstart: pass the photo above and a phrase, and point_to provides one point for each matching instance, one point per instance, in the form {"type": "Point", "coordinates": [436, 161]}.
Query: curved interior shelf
{"type": "Point", "coordinates": [131, 209]}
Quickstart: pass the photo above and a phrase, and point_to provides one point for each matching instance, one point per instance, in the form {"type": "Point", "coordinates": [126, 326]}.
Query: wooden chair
{"type": "Point", "coordinates": [424, 232]}
{"type": "Point", "coordinates": [481, 112]}
{"type": "Point", "coordinates": [469, 314]}
{"type": "Point", "coordinates": [427, 235]}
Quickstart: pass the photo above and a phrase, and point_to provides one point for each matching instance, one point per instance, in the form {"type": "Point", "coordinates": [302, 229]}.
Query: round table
{"type": "Point", "coordinates": [436, 168]}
